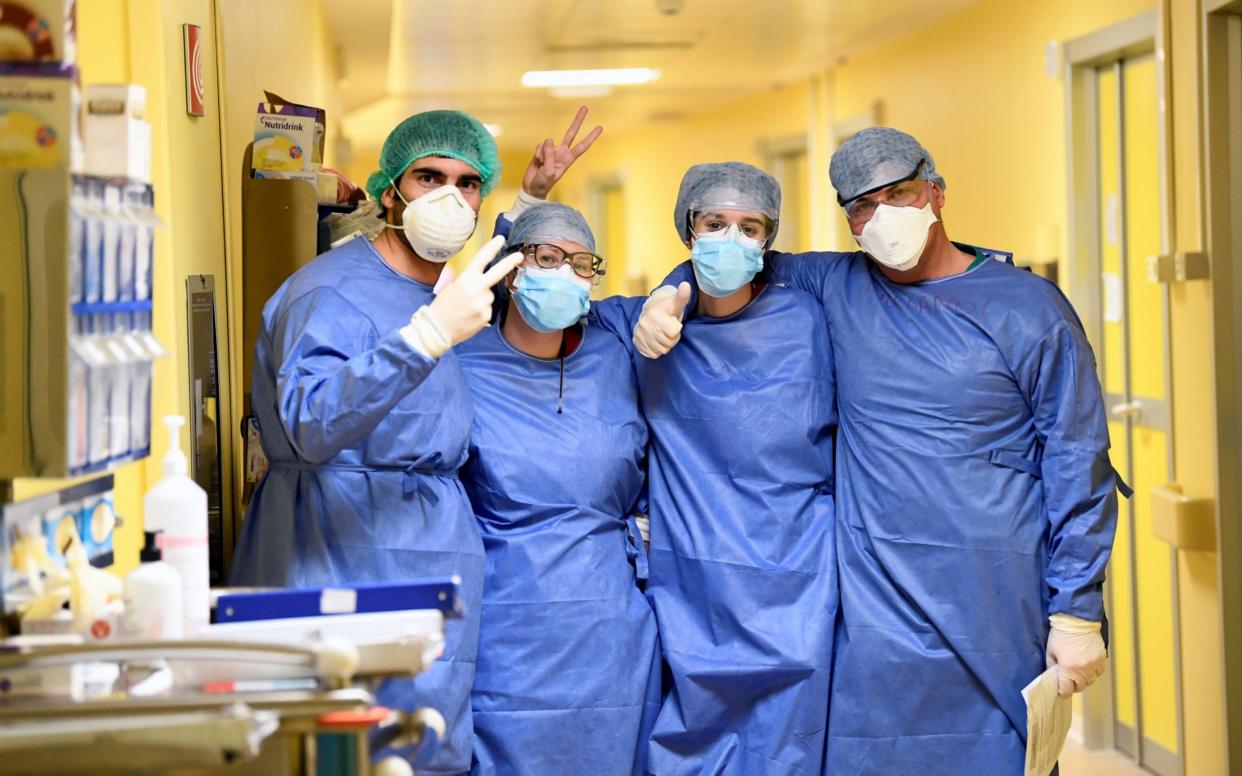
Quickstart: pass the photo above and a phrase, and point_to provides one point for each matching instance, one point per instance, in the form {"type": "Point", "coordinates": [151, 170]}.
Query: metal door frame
{"type": "Point", "coordinates": [1222, 228]}
{"type": "Point", "coordinates": [1083, 57]}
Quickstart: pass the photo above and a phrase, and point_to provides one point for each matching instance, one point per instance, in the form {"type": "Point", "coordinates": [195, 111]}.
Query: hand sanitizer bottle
{"type": "Point", "coordinates": [153, 597]}
{"type": "Point", "coordinates": [178, 507]}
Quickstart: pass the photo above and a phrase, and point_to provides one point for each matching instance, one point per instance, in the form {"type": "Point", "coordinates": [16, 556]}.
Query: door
{"type": "Point", "coordinates": [1134, 362]}
{"type": "Point", "coordinates": [788, 164]}
{"type": "Point", "coordinates": [608, 216]}
{"type": "Point", "coordinates": [1223, 204]}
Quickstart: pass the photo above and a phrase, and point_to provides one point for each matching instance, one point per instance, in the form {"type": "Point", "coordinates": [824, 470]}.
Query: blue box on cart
{"type": "Point", "coordinates": [441, 594]}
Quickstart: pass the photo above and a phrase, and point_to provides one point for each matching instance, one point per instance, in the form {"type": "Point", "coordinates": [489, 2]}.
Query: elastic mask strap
{"type": "Point", "coordinates": [396, 191]}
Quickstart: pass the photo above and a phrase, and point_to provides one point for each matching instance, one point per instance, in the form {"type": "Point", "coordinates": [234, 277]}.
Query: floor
{"type": "Point", "coordinates": [1076, 761]}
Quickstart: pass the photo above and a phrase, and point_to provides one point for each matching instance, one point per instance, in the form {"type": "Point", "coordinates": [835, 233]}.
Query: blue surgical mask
{"type": "Point", "coordinates": [551, 299]}
{"type": "Point", "coordinates": [725, 261]}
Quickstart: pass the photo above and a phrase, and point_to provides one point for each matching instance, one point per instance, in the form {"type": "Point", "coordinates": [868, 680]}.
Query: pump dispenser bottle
{"type": "Point", "coordinates": [153, 596]}
{"type": "Point", "coordinates": [177, 506]}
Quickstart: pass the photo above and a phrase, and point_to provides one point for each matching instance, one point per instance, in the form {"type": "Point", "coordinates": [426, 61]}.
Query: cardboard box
{"type": "Point", "coordinates": [115, 134]}
{"type": "Point", "coordinates": [36, 120]}
{"type": "Point", "coordinates": [288, 137]}
{"type": "Point", "coordinates": [283, 141]}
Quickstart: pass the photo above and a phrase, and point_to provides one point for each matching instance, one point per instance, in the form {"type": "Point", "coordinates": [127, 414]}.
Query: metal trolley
{"type": "Point", "coordinates": [288, 695]}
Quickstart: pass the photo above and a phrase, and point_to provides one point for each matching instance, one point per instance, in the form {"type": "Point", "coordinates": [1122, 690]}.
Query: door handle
{"type": "Point", "coordinates": [1126, 409]}
{"type": "Point", "coordinates": [1185, 522]}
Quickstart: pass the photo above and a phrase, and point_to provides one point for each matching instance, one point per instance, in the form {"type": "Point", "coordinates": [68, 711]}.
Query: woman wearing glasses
{"type": "Point", "coordinates": [568, 668]}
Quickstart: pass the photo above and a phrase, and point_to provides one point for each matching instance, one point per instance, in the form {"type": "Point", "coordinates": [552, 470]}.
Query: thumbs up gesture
{"type": "Point", "coordinates": [659, 326]}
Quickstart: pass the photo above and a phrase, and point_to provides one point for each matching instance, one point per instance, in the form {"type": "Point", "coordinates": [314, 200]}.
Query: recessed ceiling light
{"type": "Point", "coordinates": [619, 76]}
{"type": "Point", "coordinates": [493, 129]}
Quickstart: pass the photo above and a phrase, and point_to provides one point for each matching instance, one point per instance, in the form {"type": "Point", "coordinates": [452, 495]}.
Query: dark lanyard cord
{"type": "Point", "coordinates": [560, 393]}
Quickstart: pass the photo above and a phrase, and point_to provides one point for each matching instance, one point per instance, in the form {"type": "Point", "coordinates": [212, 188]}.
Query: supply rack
{"type": "Point", "coordinates": [77, 255]}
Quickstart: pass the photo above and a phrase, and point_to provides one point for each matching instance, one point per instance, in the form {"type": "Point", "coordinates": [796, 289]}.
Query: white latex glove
{"type": "Point", "coordinates": [659, 326]}
{"type": "Point", "coordinates": [1076, 648]}
{"type": "Point", "coordinates": [464, 307]}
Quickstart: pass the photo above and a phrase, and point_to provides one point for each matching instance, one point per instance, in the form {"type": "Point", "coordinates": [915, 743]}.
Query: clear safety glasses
{"type": "Point", "coordinates": [902, 193]}
{"type": "Point", "coordinates": [707, 220]}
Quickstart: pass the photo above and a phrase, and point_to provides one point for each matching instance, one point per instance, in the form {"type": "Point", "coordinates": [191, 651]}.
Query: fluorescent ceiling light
{"type": "Point", "coordinates": [579, 92]}
{"type": "Point", "coordinates": [493, 129]}
{"type": "Point", "coordinates": [619, 76]}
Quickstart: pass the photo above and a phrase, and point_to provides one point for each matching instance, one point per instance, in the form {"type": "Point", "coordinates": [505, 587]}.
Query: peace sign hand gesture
{"type": "Point", "coordinates": [551, 161]}
{"type": "Point", "coordinates": [464, 306]}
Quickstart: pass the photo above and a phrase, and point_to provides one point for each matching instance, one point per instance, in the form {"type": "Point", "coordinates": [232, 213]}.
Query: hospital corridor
{"type": "Point", "coordinates": [621, 387]}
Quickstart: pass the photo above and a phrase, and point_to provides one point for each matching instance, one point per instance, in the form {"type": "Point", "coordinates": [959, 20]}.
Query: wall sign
{"type": "Point", "coordinates": [195, 91]}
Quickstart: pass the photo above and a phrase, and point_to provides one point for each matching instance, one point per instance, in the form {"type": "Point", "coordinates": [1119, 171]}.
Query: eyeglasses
{"type": "Point", "coordinates": [585, 265]}
{"type": "Point", "coordinates": [902, 193]}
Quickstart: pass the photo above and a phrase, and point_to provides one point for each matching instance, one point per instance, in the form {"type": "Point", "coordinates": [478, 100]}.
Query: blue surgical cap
{"type": "Point", "coordinates": [726, 186]}
{"type": "Point", "coordinates": [447, 133]}
{"type": "Point", "coordinates": [549, 221]}
{"type": "Point", "coordinates": [877, 157]}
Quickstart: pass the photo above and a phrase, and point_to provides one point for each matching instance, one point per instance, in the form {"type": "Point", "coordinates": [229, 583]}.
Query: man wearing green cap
{"type": "Point", "coordinates": [976, 503]}
{"type": "Point", "coordinates": [362, 408]}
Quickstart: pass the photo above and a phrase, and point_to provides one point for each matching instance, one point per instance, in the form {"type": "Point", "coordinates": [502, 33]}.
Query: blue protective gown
{"type": "Point", "coordinates": [743, 574]}
{"type": "Point", "coordinates": [365, 435]}
{"type": "Point", "coordinates": [975, 497]}
{"type": "Point", "coordinates": [568, 666]}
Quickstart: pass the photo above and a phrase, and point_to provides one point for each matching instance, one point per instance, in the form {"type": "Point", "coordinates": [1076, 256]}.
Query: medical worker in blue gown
{"type": "Point", "coordinates": [363, 410]}
{"type": "Point", "coordinates": [567, 679]}
{"type": "Point", "coordinates": [743, 574]}
{"type": "Point", "coordinates": [976, 501]}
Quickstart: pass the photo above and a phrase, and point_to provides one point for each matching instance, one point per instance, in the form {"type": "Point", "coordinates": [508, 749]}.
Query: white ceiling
{"type": "Point", "coordinates": [404, 56]}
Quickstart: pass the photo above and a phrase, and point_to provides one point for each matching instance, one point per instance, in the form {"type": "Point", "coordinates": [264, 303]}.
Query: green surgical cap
{"type": "Point", "coordinates": [448, 133]}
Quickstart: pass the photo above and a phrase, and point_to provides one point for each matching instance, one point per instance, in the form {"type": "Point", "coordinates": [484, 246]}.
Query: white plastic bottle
{"type": "Point", "coordinates": [153, 607]}
{"type": "Point", "coordinates": [178, 507]}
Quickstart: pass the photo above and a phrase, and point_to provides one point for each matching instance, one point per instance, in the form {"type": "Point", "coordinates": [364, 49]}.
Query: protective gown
{"type": "Point", "coordinates": [568, 668]}
{"type": "Point", "coordinates": [975, 496]}
{"type": "Point", "coordinates": [365, 435]}
{"type": "Point", "coordinates": [743, 575]}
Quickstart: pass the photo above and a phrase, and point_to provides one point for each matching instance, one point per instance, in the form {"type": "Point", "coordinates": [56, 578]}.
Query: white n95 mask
{"type": "Point", "coordinates": [438, 223]}
{"type": "Point", "coordinates": [896, 236]}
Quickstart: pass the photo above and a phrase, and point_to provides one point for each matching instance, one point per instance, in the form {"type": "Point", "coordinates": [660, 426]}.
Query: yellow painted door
{"type": "Point", "coordinates": [611, 230]}
{"type": "Point", "coordinates": [1134, 370]}
{"type": "Point", "coordinates": [793, 174]}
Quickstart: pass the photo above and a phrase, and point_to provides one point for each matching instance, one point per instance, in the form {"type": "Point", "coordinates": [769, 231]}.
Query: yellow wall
{"type": "Point", "coordinates": [186, 173]}
{"type": "Point", "coordinates": [299, 64]}
{"type": "Point", "coordinates": [973, 89]}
